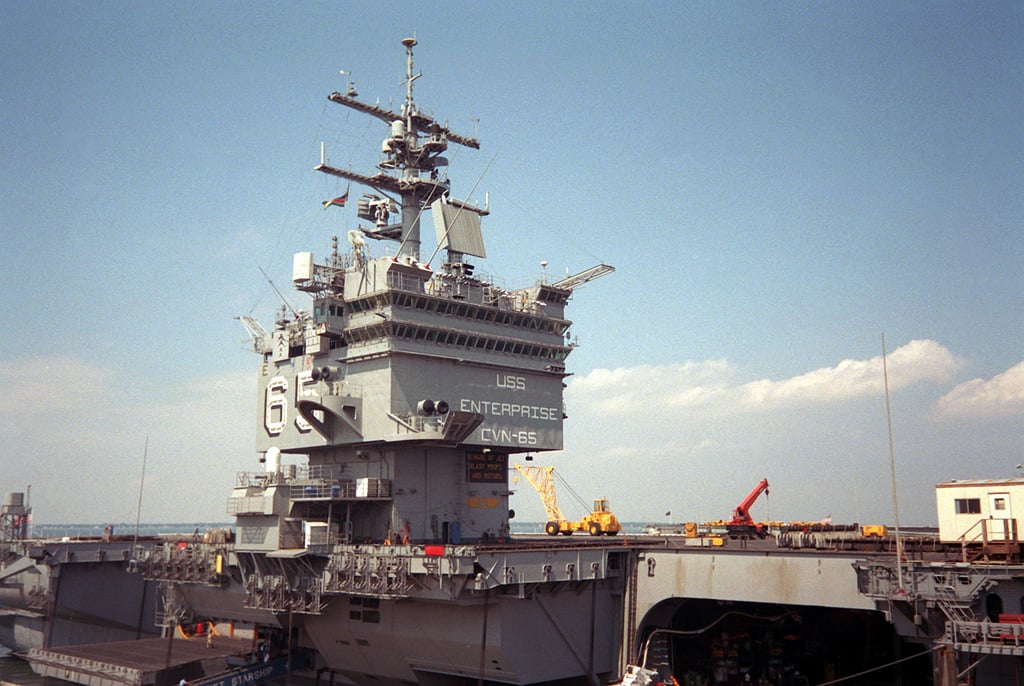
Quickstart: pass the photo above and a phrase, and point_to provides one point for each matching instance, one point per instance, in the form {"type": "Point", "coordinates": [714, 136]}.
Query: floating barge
{"type": "Point", "coordinates": [153, 662]}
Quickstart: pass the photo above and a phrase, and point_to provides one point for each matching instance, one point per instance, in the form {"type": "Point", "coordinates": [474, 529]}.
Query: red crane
{"type": "Point", "coordinates": [742, 525]}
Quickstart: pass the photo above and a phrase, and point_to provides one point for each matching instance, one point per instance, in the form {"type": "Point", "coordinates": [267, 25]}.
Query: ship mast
{"type": "Point", "coordinates": [413, 150]}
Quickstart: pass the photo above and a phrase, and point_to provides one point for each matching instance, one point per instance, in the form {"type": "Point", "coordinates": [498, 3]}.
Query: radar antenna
{"type": "Point", "coordinates": [412, 152]}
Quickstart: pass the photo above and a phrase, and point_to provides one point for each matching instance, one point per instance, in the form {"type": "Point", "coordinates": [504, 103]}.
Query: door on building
{"type": "Point", "coordinates": [999, 525]}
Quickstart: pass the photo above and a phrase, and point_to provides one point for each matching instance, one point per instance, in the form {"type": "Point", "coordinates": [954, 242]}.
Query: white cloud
{"type": "Point", "coordinates": [694, 437]}
{"type": "Point", "coordinates": [1000, 396]}
{"type": "Point", "coordinates": [917, 361]}
{"type": "Point", "coordinates": [77, 432]}
{"type": "Point", "coordinates": [36, 385]}
{"type": "Point", "coordinates": [627, 390]}
{"type": "Point", "coordinates": [709, 386]}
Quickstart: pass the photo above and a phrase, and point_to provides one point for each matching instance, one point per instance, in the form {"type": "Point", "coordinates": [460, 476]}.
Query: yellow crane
{"type": "Point", "coordinates": [599, 521]}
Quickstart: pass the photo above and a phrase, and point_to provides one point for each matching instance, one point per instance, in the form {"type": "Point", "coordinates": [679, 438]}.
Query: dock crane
{"type": "Point", "coordinates": [599, 521]}
{"type": "Point", "coordinates": [742, 525]}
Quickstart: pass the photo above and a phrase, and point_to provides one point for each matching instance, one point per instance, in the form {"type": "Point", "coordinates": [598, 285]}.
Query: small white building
{"type": "Point", "coordinates": [977, 510]}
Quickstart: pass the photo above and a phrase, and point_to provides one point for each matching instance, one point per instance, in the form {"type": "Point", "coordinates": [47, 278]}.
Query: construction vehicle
{"type": "Point", "coordinates": [742, 525]}
{"type": "Point", "coordinates": [873, 531]}
{"type": "Point", "coordinates": [601, 520]}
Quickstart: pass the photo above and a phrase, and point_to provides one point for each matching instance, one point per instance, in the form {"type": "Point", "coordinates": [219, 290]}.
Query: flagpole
{"type": "Point", "coordinates": [142, 484]}
{"type": "Point", "coordinates": [892, 471]}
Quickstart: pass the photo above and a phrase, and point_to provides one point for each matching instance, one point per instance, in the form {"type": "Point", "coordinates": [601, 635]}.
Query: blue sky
{"type": "Point", "coordinates": [777, 184]}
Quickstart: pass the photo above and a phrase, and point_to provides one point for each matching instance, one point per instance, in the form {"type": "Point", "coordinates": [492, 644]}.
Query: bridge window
{"type": "Point", "coordinates": [968, 506]}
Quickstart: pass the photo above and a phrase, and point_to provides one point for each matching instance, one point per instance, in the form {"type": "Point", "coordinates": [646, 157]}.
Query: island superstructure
{"type": "Point", "coordinates": [406, 383]}
{"type": "Point", "coordinates": [387, 415]}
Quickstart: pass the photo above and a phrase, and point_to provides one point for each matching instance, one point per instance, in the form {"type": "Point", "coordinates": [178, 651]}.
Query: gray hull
{"type": "Point", "coordinates": [66, 593]}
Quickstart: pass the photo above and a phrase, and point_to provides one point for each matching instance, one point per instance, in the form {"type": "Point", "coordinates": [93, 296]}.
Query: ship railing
{"type": "Point", "coordinates": [320, 472]}
{"type": "Point", "coordinates": [952, 586]}
{"type": "Point", "coordinates": [402, 281]}
{"type": "Point", "coordinates": [290, 474]}
{"type": "Point", "coordinates": [322, 490]}
{"type": "Point", "coordinates": [482, 290]}
{"type": "Point", "coordinates": [262, 479]}
{"type": "Point", "coordinates": [317, 482]}
{"type": "Point", "coordinates": [986, 637]}
{"type": "Point", "coordinates": [366, 487]}
{"type": "Point", "coordinates": [956, 608]}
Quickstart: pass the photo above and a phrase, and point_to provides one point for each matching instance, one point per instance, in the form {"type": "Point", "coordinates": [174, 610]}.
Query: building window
{"type": "Point", "coordinates": [968, 506]}
{"type": "Point", "coordinates": [999, 503]}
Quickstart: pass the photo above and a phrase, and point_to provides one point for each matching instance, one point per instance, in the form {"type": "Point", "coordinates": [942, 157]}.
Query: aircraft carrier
{"type": "Point", "coordinates": [64, 591]}
{"type": "Point", "coordinates": [373, 539]}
